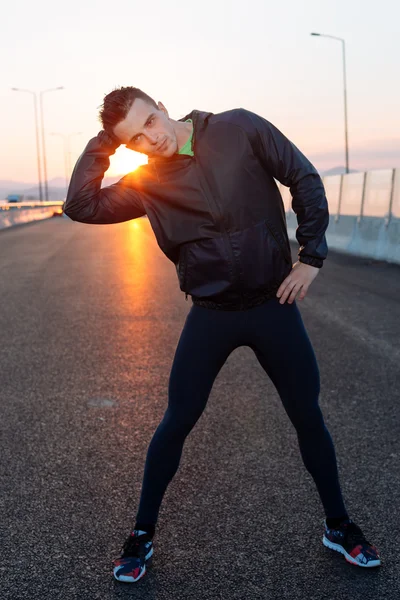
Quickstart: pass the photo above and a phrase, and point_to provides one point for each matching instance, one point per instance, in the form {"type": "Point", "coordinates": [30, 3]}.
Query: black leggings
{"type": "Point", "coordinates": [276, 334]}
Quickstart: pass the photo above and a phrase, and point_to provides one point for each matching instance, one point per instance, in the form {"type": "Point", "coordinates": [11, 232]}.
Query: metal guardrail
{"type": "Point", "coordinates": [364, 213]}
{"type": "Point", "coordinates": [374, 193]}
{"type": "Point", "coordinates": [6, 205]}
{"type": "Point", "coordinates": [17, 213]}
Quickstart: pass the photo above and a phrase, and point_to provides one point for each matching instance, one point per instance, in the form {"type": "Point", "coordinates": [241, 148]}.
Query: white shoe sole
{"type": "Point", "coordinates": [350, 559]}
{"type": "Point", "coordinates": [127, 578]}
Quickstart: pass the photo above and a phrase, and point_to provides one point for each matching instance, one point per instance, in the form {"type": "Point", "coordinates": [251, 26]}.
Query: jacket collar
{"type": "Point", "coordinates": [199, 119]}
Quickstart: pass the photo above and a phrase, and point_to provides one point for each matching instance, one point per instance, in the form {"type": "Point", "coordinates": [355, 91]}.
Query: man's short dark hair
{"type": "Point", "coordinates": [117, 104]}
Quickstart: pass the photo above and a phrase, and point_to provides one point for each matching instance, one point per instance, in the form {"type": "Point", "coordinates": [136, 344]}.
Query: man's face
{"type": "Point", "coordinates": [148, 130]}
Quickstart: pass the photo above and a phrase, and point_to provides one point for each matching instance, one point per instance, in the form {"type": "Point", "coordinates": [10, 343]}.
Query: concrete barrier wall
{"type": "Point", "coordinates": [370, 237]}
{"type": "Point", "coordinates": [21, 212]}
{"type": "Point", "coordinates": [364, 213]}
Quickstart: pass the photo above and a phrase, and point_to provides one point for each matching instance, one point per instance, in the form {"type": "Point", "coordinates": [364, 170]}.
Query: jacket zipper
{"type": "Point", "coordinates": [217, 214]}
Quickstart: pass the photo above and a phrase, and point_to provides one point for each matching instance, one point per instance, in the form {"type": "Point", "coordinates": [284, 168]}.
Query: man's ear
{"type": "Point", "coordinates": [162, 107]}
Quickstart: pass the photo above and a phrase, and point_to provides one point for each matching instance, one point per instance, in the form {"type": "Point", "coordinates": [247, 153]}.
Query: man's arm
{"type": "Point", "coordinates": [86, 201]}
{"type": "Point", "coordinates": [288, 165]}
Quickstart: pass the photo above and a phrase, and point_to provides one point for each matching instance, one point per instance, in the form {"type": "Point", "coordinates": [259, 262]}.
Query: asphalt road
{"type": "Point", "coordinates": [89, 321]}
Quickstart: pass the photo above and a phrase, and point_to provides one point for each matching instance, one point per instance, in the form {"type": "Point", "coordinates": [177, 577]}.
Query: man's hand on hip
{"type": "Point", "coordinates": [297, 282]}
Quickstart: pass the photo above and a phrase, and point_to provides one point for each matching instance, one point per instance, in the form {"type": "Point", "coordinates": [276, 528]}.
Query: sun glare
{"type": "Point", "coordinates": [124, 161]}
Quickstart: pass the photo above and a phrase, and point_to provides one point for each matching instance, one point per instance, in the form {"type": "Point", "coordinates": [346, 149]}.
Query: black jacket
{"type": "Point", "coordinates": [218, 216]}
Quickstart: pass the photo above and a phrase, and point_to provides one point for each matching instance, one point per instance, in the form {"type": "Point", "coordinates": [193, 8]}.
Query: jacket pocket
{"type": "Point", "coordinates": [205, 268]}
{"type": "Point", "coordinates": [182, 266]}
{"type": "Point", "coordinates": [262, 260]}
{"type": "Point", "coordinates": [281, 245]}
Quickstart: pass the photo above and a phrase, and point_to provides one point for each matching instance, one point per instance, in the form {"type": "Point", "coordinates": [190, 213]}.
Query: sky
{"type": "Point", "coordinates": [212, 55]}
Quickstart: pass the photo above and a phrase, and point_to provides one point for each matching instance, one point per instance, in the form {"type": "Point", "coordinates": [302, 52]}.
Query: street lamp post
{"type": "Point", "coordinates": [67, 154]}
{"type": "Point", "coordinates": [46, 188]}
{"type": "Point", "coordinates": [69, 162]}
{"type": "Point", "coordinates": [346, 137]}
{"type": "Point", "coordinates": [65, 157]}
{"type": "Point", "coordinates": [37, 138]}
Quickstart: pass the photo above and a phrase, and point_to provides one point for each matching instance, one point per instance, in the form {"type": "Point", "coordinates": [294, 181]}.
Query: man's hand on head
{"type": "Point", "coordinates": [108, 140]}
{"type": "Point", "coordinates": [297, 283]}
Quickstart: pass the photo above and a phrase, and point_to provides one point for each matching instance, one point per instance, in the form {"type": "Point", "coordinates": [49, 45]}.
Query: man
{"type": "Point", "coordinates": [210, 195]}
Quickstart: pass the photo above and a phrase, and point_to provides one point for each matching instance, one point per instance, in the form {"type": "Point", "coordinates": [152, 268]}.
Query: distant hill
{"type": "Point", "coordinates": [56, 186]}
{"type": "Point", "coordinates": [6, 183]}
{"type": "Point", "coordinates": [30, 190]}
{"type": "Point", "coordinates": [12, 187]}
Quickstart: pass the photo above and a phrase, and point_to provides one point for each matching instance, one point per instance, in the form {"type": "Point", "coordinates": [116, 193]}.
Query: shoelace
{"type": "Point", "coordinates": [134, 546]}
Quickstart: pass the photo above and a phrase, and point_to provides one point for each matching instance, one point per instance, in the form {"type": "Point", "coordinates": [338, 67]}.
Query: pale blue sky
{"type": "Point", "coordinates": [210, 55]}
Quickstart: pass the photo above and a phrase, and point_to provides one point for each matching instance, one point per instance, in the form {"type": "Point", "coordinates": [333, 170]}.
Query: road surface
{"type": "Point", "coordinates": [90, 318]}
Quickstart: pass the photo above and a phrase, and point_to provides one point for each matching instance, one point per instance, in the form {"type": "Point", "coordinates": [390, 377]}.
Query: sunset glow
{"type": "Point", "coordinates": [306, 100]}
{"type": "Point", "coordinates": [125, 161]}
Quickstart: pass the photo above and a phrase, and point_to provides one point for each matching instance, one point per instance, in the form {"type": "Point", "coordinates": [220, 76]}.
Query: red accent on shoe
{"type": "Point", "coordinates": [356, 551]}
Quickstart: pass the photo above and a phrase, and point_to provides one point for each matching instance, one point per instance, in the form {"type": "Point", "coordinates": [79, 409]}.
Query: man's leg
{"type": "Point", "coordinates": [207, 339]}
{"type": "Point", "coordinates": [280, 341]}
{"type": "Point", "coordinates": [283, 348]}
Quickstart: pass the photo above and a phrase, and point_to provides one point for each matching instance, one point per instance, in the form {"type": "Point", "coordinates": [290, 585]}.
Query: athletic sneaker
{"type": "Point", "coordinates": [131, 565]}
{"type": "Point", "coordinates": [348, 539]}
